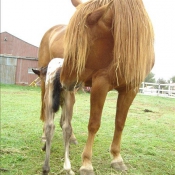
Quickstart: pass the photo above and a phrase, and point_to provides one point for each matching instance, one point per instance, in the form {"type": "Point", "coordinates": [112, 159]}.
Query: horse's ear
{"type": "Point", "coordinates": [76, 2]}
{"type": "Point", "coordinates": [103, 13]}
{"type": "Point", "coordinates": [43, 71]}
{"type": "Point", "coordinates": [36, 71]}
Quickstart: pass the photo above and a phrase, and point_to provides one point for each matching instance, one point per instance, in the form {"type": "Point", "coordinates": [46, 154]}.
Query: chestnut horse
{"type": "Point", "coordinates": [109, 47]}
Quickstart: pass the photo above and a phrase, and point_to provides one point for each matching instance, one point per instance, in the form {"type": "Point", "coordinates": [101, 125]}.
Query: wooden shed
{"type": "Point", "coordinates": [12, 45]}
{"type": "Point", "coordinates": [24, 73]}
{"type": "Point", "coordinates": [17, 70]}
{"type": "Point", "coordinates": [8, 69]}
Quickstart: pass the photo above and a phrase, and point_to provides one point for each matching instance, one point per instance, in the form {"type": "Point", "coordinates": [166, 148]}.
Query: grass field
{"type": "Point", "coordinates": [148, 142]}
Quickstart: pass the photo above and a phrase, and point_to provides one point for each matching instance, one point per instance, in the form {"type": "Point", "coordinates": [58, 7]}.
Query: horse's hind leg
{"type": "Point", "coordinates": [67, 108]}
{"type": "Point", "coordinates": [72, 139]}
{"type": "Point", "coordinates": [124, 101]}
{"type": "Point", "coordinates": [49, 131]}
{"type": "Point", "coordinates": [42, 115]}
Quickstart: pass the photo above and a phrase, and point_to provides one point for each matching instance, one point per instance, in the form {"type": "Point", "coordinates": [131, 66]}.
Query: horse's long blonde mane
{"type": "Point", "coordinates": [133, 38]}
{"type": "Point", "coordinates": [76, 41]}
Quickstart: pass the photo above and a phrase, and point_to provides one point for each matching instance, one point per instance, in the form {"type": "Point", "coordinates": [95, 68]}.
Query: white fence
{"type": "Point", "coordinates": [167, 90]}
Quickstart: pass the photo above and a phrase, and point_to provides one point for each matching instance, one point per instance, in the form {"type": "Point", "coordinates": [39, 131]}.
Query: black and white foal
{"type": "Point", "coordinates": [54, 97]}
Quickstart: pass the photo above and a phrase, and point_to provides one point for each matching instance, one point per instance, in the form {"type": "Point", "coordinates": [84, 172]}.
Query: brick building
{"type": "Point", "coordinates": [17, 58]}
{"type": "Point", "coordinates": [11, 45]}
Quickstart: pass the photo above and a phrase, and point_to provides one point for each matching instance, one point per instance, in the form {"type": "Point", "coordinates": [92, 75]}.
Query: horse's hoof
{"type": "Point", "coordinates": [119, 166]}
{"type": "Point", "coordinates": [45, 171]}
{"type": "Point", "coordinates": [44, 147]}
{"type": "Point", "coordinates": [86, 172]}
{"type": "Point", "coordinates": [73, 141]}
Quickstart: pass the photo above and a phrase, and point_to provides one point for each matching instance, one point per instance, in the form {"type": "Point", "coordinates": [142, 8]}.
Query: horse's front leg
{"type": "Point", "coordinates": [99, 90]}
{"type": "Point", "coordinates": [124, 101]}
{"type": "Point", "coordinates": [67, 112]}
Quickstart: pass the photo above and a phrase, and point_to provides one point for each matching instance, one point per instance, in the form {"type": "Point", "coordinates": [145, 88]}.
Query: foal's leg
{"type": "Point", "coordinates": [99, 90]}
{"type": "Point", "coordinates": [72, 139]}
{"type": "Point", "coordinates": [42, 115]}
{"type": "Point", "coordinates": [49, 130]}
{"type": "Point", "coordinates": [68, 103]}
{"type": "Point", "coordinates": [124, 101]}
{"type": "Point", "coordinates": [43, 138]}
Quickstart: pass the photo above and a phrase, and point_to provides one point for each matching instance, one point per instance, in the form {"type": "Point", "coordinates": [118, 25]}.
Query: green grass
{"type": "Point", "coordinates": [148, 142]}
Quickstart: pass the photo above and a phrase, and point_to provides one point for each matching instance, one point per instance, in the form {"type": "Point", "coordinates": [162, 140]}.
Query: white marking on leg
{"type": "Point", "coordinates": [117, 159]}
{"type": "Point", "coordinates": [67, 164]}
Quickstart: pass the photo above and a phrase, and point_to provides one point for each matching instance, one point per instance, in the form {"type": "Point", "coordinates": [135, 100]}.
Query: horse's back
{"type": "Point", "coordinates": [51, 45]}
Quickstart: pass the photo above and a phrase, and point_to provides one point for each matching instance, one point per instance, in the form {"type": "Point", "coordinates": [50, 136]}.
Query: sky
{"type": "Point", "coordinates": [30, 19]}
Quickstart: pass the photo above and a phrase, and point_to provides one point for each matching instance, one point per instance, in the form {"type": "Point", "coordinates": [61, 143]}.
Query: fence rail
{"type": "Point", "coordinates": [158, 89]}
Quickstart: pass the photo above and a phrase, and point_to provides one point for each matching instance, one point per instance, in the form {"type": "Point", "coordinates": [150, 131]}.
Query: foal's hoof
{"type": "Point", "coordinates": [45, 172]}
{"type": "Point", "coordinates": [44, 147]}
{"type": "Point", "coordinates": [119, 166]}
{"type": "Point", "coordinates": [73, 141]}
{"type": "Point", "coordinates": [86, 172]}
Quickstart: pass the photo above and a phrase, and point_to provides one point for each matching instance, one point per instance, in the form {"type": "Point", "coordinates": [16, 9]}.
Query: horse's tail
{"type": "Point", "coordinates": [57, 89]}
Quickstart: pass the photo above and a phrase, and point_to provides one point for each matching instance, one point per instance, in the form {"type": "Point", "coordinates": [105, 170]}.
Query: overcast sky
{"type": "Point", "coordinates": [30, 19]}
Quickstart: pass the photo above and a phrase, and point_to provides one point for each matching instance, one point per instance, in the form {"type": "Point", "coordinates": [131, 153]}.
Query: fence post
{"type": "Point", "coordinates": [159, 89]}
{"type": "Point", "coordinates": [143, 86]}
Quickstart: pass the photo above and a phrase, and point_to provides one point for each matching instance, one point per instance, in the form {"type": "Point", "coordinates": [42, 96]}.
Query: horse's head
{"type": "Point", "coordinates": [41, 72]}
{"type": "Point", "coordinates": [84, 41]}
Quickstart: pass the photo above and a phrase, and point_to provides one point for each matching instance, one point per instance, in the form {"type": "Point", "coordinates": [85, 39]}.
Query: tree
{"type": "Point", "coordinates": [150, 78]}
{"type": "Point", "coordinates": [172, 79]}
{"type": "Point", "coordinates": [161, 81]}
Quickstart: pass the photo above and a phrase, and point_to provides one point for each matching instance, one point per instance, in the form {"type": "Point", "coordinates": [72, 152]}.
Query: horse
{"type": "Point", "coordinates": [110, 47]}
{"type": "Point", "coordinates": [51, 46]}
{"type": "Point", "coordinates": [54, 97]}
